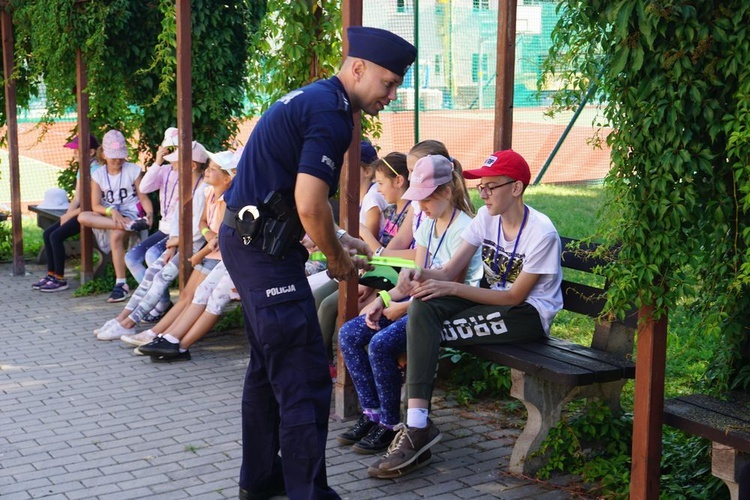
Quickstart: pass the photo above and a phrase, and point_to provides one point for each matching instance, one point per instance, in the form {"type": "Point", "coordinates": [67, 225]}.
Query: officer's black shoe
{"type": "Point", "coordinates": [356, 432]}
{"type": "Point", "coordinates": [160, 347]}
{"type": "Point", "coordinates": [375, 441]}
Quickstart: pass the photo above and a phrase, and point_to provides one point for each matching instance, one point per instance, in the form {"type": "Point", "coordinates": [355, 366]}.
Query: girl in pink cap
{"type": "Point", "coordinates": [115, 195]}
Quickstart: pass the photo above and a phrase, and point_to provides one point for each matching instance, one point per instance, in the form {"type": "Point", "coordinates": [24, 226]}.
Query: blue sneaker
{"type": "Point", "coordinates": [119, 293]}
{"type": "Point", "coordinates": [54, 285]}
{"type": "Point", "coordinates": [39, 284]}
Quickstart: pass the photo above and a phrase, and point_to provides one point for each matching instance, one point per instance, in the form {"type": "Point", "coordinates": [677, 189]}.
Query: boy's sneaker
{"type": "Point", "coordinates": [375, 441]}
{"type": "Point", "coordinates": [115, 332]}
{"type": "Point", "coordinates": [109, 324]}
{"type": "Point", "coordinates": [139, 339]}
{"type": "Point", "coordinates": [407, 446]}
{"type": "Point", "coordinates": [119, 293]}
{"type": "Point", "coordinates": [160, 347]}
{"type": "Point", "coordinates": [54, 285]}
{"type": "Point", "coordinates": [180, 356]}
{"type": "Point", "coordinates": [423, 459]}
{"type": "Point", "coordinates": [138, 225]}
{"type": "Point", "coordinates": [357, 431]}
{"type": "Point", "coordinates": [39, 284]}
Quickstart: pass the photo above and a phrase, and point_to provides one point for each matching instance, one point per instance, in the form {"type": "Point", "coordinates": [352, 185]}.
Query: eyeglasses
{"type": "Point", "coordinates": [488, 189]}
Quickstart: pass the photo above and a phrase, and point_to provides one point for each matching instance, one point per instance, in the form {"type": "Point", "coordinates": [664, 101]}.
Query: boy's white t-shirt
{"type": "Point", "coordinates": [119, 190]}
{"type": "Point", "coordinates": [538, 252]}
{"type": "Point", "coordinates": [372, 199]}
{"type": "Point", "coordinates": [449, 246]}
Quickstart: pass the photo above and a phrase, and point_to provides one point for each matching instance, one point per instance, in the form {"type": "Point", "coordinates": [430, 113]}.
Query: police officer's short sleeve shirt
{"type": "Point", "coordinates": [308, 130]}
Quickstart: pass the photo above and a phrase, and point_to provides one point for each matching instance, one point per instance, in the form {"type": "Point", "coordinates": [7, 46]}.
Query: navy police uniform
{"type": "Point", "coordinates": [287, 392]}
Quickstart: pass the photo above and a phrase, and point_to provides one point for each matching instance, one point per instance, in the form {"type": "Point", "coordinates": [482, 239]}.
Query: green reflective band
{"type": "Point", "coordinates": [386, 297]}
{"type": "Point", "coordinates": [375, 261]}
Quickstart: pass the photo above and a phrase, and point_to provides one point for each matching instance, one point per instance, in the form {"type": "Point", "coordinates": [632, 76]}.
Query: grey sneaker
{"type": "Point", "coordinates": [422, 460]}
{"type": "Point", "coordinates": [406, 448]}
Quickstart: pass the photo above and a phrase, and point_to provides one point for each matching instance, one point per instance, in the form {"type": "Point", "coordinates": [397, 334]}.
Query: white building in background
{"type": "Point", "coordinates": [457, 48]}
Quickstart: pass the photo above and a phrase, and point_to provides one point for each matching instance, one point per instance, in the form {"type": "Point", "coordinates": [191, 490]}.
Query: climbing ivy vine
{"type": "Point", "coordinates": [674, 84]}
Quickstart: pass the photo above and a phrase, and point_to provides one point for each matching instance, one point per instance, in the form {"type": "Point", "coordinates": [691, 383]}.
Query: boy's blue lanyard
{"type": "Point", "coordinates": [392, 221]}
{"type": "Point", "coordinates": [197, 183]}
{"type": "Point", "coordinates": [429, 241]}
{"type": "Point", "coordinates": [515, 245]}
{"type": "Point", "coordinates": [419, 221]}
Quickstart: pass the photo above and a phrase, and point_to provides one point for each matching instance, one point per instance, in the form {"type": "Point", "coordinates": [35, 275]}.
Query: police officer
{"type": "Point", "coordinates": [290, 167]}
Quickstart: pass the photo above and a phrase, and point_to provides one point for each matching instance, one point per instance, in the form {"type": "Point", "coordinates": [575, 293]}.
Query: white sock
{"type": "Point", "coordinates": [171, 339]}
{"type": "Point", "coordinates": [120, 281]}
{"type": "Point", "coordinates": [417, 417]}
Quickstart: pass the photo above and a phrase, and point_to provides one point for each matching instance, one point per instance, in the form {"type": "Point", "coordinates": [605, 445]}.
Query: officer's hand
{"type": "Point", "coordinates": [341, 267]}
{"type": "Point", "coordinates": [355, 246]}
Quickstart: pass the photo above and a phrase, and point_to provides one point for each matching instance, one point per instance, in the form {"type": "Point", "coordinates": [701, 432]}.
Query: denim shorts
{"type": "Point", "coordinates": [207, 265]}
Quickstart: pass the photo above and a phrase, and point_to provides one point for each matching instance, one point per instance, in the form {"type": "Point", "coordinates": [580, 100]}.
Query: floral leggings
{"type": "Point", "coordinates": [153, 287]}
{"type": "Point", "coordinates": [216, 291]}
{"type": "Point", "coordinates": [372, 359]}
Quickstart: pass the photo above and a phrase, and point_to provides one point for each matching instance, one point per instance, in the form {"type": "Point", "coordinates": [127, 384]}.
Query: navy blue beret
{"type": "Point", "coordinates": [381, 47]}
{"type": "Point", "coordinates": [367, 153]}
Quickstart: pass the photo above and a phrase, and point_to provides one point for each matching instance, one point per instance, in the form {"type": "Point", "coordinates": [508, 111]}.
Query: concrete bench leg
{"type": "Point", "coordinates": [727, 464]}
{"type": "Point", "coordinates": [544, 401]}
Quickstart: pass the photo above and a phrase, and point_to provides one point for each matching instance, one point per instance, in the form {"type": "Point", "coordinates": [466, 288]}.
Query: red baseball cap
{"type": "Point", "coordinates": [506, 162]}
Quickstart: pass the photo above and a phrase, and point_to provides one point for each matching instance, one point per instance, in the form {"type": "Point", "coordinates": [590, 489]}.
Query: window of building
{"type": "Point", "coordinates": [481, 4]}
{"type": "Point", "coordinates": [477, 71]}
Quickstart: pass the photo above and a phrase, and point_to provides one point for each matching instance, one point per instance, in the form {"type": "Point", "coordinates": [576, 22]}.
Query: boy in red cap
{"type": "Point", "coordinates": [521, 258]}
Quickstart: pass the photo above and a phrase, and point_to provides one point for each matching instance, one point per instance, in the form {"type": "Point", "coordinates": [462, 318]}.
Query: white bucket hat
{"type": "Point", "coordinates": [55, 199]}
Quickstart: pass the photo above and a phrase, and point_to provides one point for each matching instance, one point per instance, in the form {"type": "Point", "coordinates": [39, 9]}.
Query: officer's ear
{"type": "Point", "coordinates": [358, 69]}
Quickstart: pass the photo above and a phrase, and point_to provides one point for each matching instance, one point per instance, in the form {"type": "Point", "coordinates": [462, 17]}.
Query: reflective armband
{"type": "Point", "coordinates": [108, 211]}
{"type": "Point", "coordinates": [205, 231]}
{"type": "Point", "coordinates": [383, 294]}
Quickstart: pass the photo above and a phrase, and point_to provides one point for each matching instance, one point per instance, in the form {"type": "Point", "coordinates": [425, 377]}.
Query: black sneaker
{"type": "Point", "coordinates": [180, 356]}
{"type": "Point", "coordinates": [375, 441]}
{"type": "Point", "coordinates": [139, 224]}
{"type": "Point", "coordinates": [160, 347]}
{"type": "Point", "coordinates": [356, 432]}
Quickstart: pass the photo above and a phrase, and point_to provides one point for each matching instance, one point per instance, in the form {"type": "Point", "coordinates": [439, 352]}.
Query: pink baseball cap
{"type": "Point", "coordinates": [506, 162]}
{"type": "Point", "coordinates": [114, 145]}
{"type": "Point", "coordinates": [429, 173]}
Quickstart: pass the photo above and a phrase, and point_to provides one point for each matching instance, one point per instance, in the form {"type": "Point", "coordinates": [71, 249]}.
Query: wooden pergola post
{"type": "Point", "coordinates": [648, 412]}
{"type": "Point", "coordinates": [185, 127]}
{"type": "Point", "coordinates": [346, 404]}
{"type": "Point", "coordinates": [6, 24]}
{"type": "Point", "coordinates": [84, 166]}
{"type": "Point", "coordinates": [506, 68]}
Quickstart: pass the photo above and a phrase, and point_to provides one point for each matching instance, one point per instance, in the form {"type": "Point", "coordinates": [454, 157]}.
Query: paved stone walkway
{"type": "Point", "coordinates": [82, 418]}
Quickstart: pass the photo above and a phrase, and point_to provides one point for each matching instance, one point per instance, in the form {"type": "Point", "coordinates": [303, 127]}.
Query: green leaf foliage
{"type": "Point", "coordinates": [673, 83]}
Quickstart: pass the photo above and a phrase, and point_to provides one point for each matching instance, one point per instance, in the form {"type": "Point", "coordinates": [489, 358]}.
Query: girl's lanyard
{"type": "Point", "coordinates": [440, 242]}
{"type": "Point", "coordinates": [515, 245]}
{"type": "Point", "coordinates": [165, 207]}
{"type": "Point", "coordinates": [197, 183]}
{"type": "Point", "coordinates": [210, 213]}
{"type": "Point", "coordinates": [119, 187]}
{"type": "Point", "coordinates": [419, 221]}
{"type": "Point", "coordinates": [393, 222]}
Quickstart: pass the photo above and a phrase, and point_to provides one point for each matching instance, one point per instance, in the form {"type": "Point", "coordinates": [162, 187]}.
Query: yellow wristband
{"type": "Point", "coordinates": [383, 294]}
{"type": "Point", "coordinates": [108, 211]}
{"type": "Point", "coordinates": [205, 231]}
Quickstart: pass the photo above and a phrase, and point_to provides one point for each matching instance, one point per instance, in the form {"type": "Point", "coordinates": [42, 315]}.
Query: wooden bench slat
{"type": "Point", "coordinates": [628, 367]}
{"type": "Point", "coordinates": [727, 423]}
{"type": "Point", "coordinates": [520, 357]}
{"type": "Point", "coordinates": [582, 299]}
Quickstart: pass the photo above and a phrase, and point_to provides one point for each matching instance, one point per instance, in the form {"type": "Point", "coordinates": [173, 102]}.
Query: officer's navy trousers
{"type": "Point", "coordinates": [286, 399]}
